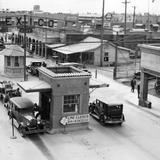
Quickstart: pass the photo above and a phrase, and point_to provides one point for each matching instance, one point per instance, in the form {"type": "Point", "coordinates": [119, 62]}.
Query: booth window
{"type": "Point", "coordinates": [71, 103]}
{"type": "Point", "coordinates": [16, 63]}
{"type": "Point", "coordinates": [8, 61]}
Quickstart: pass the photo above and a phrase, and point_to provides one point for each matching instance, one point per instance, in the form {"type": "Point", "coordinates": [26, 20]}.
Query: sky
{"type": "Point", "coordinates": [83, 6]}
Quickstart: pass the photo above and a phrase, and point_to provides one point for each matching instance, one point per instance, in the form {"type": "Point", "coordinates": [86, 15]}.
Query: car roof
{"type": "Point", "coordinates": [110, 101]}
{"type": "Point", "coordinates": [22, 102]}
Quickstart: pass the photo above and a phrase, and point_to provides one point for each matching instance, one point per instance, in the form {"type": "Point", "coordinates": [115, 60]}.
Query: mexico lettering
{"type": "Point", "coordinates": [30, 21]}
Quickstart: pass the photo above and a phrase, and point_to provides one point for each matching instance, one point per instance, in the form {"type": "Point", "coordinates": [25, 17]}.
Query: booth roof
{"type": "Point", "coordinates": [35, 86]}
{"type": "Point", "coordinates": [12, 50]}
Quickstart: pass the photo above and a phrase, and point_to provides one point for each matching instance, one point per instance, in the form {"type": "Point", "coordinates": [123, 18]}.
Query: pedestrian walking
{"type": "Point", "coordinates": [138, 90]}
{"type": "Point", "coordinates": [133, 83]}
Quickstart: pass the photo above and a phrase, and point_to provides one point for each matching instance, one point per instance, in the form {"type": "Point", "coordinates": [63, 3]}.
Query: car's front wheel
{"type": "Point", "coordinates": [102, 119]}
{"type": "Point", "coordinates": [21, 130]}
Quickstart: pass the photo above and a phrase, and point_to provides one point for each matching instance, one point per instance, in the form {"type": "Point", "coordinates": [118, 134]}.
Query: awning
{"type": "Point", "coordinates": [54, 45]}
{"type": "Point", "coordinates": [88, 44]}
{"type": "Point", "coordinates": [35, 86]}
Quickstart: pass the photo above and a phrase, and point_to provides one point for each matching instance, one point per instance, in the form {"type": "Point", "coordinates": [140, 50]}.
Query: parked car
{"type": "Point", "coordinates": [7, 91]}
{"type": "Point", "coordinates": [33, 67]}
{"type": "Point", "coordinates": [107, 113]}
{"type": "Point", "coordinates": [22, 110]}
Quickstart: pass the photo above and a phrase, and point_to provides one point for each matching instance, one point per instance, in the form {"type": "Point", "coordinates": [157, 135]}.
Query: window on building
{"type": "Point", "coordinates": [55, 23]}
{"type": "Point", "coordinates": [71, 103]}
{"type": "Point", "coordinates": [8, 61]}
{"type": "Point", "coordinates": [106, 56]}
{"type": "Point", "coordinates": [16, 61]}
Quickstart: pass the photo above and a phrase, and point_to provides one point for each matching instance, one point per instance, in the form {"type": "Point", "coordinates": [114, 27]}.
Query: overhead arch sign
{"type": "Point", "coordinates": [19, 21]}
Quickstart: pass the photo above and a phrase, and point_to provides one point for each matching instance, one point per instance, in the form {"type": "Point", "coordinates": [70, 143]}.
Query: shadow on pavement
{"type": "Point", "coordinates": [41, 146]}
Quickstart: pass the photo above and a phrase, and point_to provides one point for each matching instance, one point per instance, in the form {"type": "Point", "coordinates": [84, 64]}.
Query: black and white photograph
{"type": "Point", "coordinates": [79, 80]}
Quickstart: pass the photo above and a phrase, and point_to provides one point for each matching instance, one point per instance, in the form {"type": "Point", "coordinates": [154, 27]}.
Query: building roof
{"type": "Point", "coordinates": [12, 50]}
{"type": "Point", "coordinates": [64, 72]}
{"type": "Point", "coordinates": [121, 48]}
{"type": "Point", "coordinates": [87, 44]}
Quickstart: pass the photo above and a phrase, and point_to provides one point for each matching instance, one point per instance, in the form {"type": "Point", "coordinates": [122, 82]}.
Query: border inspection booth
{"type": "Point", "coordinates": [63, 95]}
{"type": "Point", "coordinates": [13, 61]}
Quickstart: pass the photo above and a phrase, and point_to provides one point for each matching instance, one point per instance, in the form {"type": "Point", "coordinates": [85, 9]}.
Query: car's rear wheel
{"type": "Point", "coordinates": [90, 109]}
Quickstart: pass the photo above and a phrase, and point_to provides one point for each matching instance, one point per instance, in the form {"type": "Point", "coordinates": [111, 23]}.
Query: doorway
{"type": "Point", "coordinates": [45, 104]}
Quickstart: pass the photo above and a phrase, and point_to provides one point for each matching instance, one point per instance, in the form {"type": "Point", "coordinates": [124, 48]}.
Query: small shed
{"type": "Point", "coordinates": [13, 61]}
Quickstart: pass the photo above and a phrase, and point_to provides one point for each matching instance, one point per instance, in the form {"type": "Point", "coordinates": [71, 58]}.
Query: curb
{"type": "Point", "coordinates": [141, 108]}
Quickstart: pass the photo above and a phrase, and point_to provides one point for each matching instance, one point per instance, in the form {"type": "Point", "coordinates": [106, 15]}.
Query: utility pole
{"type": "Point", "coordinates": [134, 14]}
{"type": "Point", "coordinates": [148, 25]}
{"type": "Point", "coordinates": [46, 40]}
{"type": "Point", "coordinates": [116, 57]}
{"type": "Point", "coordinates": [25, 78]}
{"type": "Point", "coordinates": [102, 32]}
{"type": "Point", "coordinates": [125, 18]}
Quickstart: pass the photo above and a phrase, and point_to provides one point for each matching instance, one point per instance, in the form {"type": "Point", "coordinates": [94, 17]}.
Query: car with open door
{"type": "Point", "coordinates": [21, 109]}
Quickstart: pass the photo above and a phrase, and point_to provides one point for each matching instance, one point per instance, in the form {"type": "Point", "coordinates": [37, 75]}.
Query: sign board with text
{"type": "Point", "coordinates": [108, 16]}
{"type": "Point", "coordinates": [73, 119]}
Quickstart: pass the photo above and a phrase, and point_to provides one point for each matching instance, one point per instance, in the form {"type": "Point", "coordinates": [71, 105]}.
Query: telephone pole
{"type": "Point", "coordinates": [134, 14]}
{"type": "Point", "coordinates": [125, 18]}
{"type": "Point", "coordinates": [102, 32]}
{"type": "Point", "coordinates": [25, 77]}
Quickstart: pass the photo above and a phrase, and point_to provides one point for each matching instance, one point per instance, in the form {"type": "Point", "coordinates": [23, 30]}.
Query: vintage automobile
{"type": "Point", "coordinates": [33, 67]}
{"type": "Point", "coordinates": [107, 113]}
{"type": "Point", "coordinates": [7, 91]}
{"type": "Point", "coordinates": [22, 110]}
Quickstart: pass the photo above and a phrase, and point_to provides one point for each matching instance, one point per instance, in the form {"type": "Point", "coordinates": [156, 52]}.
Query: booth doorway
{"type": "Point", "coordinates": [45, 104]}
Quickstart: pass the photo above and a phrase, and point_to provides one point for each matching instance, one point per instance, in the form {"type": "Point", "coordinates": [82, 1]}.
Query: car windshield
{"type": "Point", "coordinates": [36, 64]}
{"type": "Point", "coordinates": [25, 110]}
{"type": "Point", "coordinates": [114, 108]}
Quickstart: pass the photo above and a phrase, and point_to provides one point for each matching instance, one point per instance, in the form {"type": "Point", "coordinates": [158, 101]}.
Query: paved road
{"type": "Point", "coordinates": [137, 139]}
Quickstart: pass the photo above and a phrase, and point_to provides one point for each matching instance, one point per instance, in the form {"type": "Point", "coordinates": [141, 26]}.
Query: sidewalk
{"type": "Point", "coordinates": [129, 97]}
{"type": "Point", "coordinates": [155, 108]}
